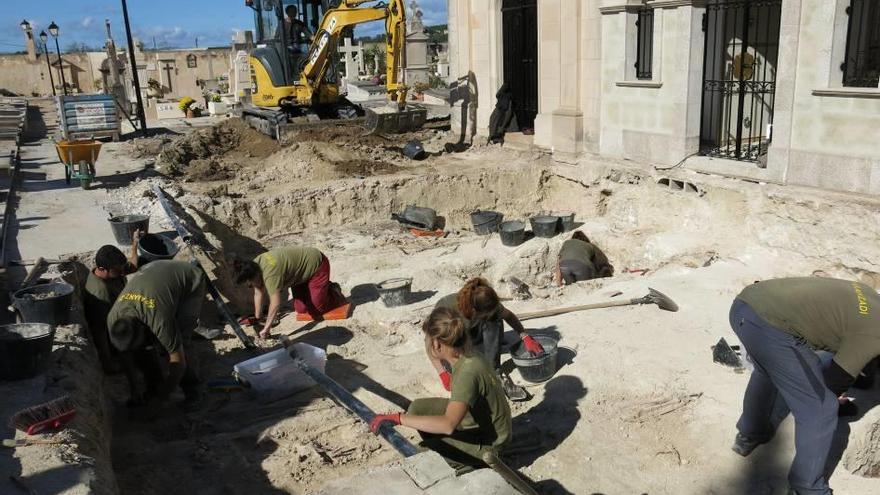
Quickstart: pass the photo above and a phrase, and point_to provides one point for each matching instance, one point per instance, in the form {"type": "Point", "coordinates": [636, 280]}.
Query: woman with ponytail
{"type": "Point", "coordinates": [484, 318]}
{"type": "Point", "coordinates": [476, 417]}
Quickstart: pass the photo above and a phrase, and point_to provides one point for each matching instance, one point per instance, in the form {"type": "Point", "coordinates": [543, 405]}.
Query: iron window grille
{"type": "Point", "coordinates": [644, 43]}
{"type": "Point", "coordinates": [861, 65]}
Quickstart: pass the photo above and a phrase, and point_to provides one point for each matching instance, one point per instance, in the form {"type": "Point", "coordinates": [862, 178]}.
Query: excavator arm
{"type": "Point", "coordinates": [348, 14]}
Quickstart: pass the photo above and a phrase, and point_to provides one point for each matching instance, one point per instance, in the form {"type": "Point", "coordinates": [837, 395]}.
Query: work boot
{"type": "Point", "coordinates": [744, 445]}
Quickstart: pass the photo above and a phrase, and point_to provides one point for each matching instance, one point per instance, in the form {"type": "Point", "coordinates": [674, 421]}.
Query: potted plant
{"type": "Point", "coordinates": [195, 110]}
{"type": "Point", "coordinates": [154, 89]}
{"type": "Point", "coordinates": [185, 105]}
{"type": "Point", "coordinates": [216, 106]}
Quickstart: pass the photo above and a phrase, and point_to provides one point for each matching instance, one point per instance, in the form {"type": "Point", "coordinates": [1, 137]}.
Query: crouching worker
{"type": "Point", "coordinates": [781, 323]}
{"type": "Point", "coordinates": [157, 311]}
{"type": "Point", "coordinates": [476, 417]}
{"type": "Point", "coordinates": [103, 285]}
{"type": "Point", "coordinates": [579, 260]}
{"type": "Point", "coordinates": [305, 270]}
{"type": "Point", "coordinates": [484, 320]}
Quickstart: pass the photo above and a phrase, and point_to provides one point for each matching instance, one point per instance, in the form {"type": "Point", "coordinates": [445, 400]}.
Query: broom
{"type": "Point", "coordinates": [52, 414]}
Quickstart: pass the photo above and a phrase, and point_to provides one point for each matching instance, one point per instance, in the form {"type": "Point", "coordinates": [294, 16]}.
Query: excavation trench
{"type": "Point", "coordinates": [700, 247]}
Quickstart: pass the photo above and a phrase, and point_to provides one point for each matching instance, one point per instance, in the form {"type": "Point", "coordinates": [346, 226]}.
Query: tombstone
{"type": "Point", "coordinates": [241, 86]}
{"type": "Point", "coordinates": [377, 66]}
{"type": "Point", "coordinates": [417, 67]}
{"type": "Point", "coordinates": [354, 58]}
{"type": "Point", "coordinates": [442, 65]}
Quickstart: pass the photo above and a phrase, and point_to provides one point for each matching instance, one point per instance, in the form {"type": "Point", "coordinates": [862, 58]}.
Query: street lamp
{"type": "Point", "coordinates": [53, 30]}
{"type": "Point", "coordinates": [44, 38]}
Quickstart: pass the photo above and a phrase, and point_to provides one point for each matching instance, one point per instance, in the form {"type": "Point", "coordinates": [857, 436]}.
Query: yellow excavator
{"type": "Point", "coordinates": [293, 65]}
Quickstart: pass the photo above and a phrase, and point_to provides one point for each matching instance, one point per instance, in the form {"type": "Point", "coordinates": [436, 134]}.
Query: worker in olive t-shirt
{"type": "Point", "coordinates": [580, 260]}
{"type": "Point", "coordinates": [305, 270]}
{"type": "Point", "coordinates": [781, 323]}
{"type": "Point", "coordinates": [161, 305]}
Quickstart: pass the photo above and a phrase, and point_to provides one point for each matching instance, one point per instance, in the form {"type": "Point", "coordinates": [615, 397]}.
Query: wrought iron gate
{"type": "Point", "coordinates": [739, 77]}
{"type": "Point", "coordinates": [520, 28]}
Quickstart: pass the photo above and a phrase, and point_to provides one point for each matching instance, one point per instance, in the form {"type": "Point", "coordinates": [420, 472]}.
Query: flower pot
{"type": "Point", "coordinates": [217, 108]}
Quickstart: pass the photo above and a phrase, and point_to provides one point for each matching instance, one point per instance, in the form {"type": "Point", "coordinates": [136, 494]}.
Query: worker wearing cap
{"type": "Point", "coordinates": [781, 323]}
{"type": "Point", "coordinates": [579, 260]}
{"type": "Point", "coordinates": [103, 285]}
{"type": "Point", "coordinates": [305, 270]}
{"type": "Point", "coordinates": [160, 308]}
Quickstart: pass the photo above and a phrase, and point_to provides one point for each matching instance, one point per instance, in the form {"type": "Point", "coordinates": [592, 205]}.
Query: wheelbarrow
{"type": "Point", "coordinates": [79, 159]}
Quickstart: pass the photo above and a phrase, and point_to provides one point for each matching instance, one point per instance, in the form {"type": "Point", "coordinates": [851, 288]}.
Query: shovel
{"type": "Point", "coordinates": [654, 297]}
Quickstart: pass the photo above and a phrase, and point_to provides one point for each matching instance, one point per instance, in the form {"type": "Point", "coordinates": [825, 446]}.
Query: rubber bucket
{"type": "Point", "coordinates": [124, 226]}
{"type": "Point", "coordinates": [24, 349]}
{"type": "Point", "coordinates": [394, 292]}
{"type": "Point", "coordinates": [544, 225]}
{"type": "Point", "coordinates": [512, 233]}
{"type": "Point", "coordinates": [154, 247]}
{"type": "Point", "coordinates": [45, 303]}
{"type": "Point", "coordinates": [566, 221]}
{"type": "Point", "coordinates": [486, 222]}
{"type": "Point", "coordinates": [537, 369]}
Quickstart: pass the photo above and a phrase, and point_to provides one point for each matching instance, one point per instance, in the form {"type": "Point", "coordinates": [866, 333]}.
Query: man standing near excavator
{"type": "Point", "coordinates": [781, 324]}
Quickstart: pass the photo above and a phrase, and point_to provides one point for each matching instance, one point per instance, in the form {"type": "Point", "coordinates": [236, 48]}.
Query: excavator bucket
{"type": "Point", "coordinates": [391, 120]}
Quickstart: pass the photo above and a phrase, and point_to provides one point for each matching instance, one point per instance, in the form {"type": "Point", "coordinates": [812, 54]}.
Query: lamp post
{"type": "Point", "coordinates": [44, 38]}
{"type": "Point", "coordinates": [53, 30]}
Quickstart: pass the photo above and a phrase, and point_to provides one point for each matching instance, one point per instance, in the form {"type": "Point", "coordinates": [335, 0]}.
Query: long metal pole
{"type": "Point", "coordinates": [49, 65]}
{"type": "Point", "coordinates": [61, 67]}
{"type": "Point", "coordinates": [134, 72]}
{"type": "Point", "coordinates": [354, 405]}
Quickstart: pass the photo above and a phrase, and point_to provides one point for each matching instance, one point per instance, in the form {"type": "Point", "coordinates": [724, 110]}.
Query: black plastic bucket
{"type": "Point", "coordinates": [566, 220]}
{"type": "Point", "coordinates": [24, 349]}
{"type": "Point", "coordinates": [394, 292]}
{"type": "Point", "coordinates": [512, 233]}
{"type": "Point", "coordinates": [154, 247]}
{"type": "Point", "coordinates": [45, 303]}
{"type": "Point", "coordinates": [124, 226]}
{"type": "Point", "coordinates": [544, 225]}
{"type": "Point", "coordinates": [486, 222]}
{"type": "Point", "coordinates": [537, 369]}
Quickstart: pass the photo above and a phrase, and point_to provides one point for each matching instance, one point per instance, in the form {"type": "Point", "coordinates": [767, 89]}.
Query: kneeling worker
{"type": "Point", "coordinates": [781, 323]}
{"type": "Point", "coordinates": [161, 306]}
{"type": "Point", "coordinates": [305, 270]}
{"type": "Point", "coordinates": [579, 260]}
{"type": "Point", "coordinates": [476, 417]}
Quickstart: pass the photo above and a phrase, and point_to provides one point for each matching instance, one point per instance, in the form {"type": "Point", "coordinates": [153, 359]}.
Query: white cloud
{"type": "Point", "coordinates": [87, 22]}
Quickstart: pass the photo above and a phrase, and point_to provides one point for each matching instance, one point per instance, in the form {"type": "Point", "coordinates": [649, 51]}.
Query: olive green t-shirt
{"type": "Point", "coordinates": [100, 294]}
{"type": "Point", "coordinates": [476, 384]}
{"type": "Point", "coordinates": [154, 297]}
{"type": "Point", "coordinates": [832, 315]}
{"type": "Point", "coordinates": [577, 250]}
{"type": "Point", "coordinates": [287, 267]}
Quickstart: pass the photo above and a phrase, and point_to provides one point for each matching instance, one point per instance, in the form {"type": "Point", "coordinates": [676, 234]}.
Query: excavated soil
{"type": "Point", "coordinates": [637, 405]}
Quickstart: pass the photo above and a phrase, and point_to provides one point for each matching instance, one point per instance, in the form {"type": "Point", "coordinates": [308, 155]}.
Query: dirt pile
{"type": "Point", "coordinates": [216, 152]}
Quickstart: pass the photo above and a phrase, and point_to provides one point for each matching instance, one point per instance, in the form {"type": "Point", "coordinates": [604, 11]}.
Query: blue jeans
{"type": "Point", "coordinates": [787, 376]}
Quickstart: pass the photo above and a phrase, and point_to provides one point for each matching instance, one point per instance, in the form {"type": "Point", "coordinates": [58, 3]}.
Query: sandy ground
{"type": "Point", "coordinates": [637, 406]}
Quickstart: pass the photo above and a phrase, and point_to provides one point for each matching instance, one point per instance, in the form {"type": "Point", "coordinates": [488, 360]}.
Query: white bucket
{"type": "Point", "coordinates": [275, 375]}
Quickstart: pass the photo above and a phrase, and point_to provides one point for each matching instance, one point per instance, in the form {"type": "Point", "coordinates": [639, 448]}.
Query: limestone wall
{"type": "Point", "coordinates": [26, 77]}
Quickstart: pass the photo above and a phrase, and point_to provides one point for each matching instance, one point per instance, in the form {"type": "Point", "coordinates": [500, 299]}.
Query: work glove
{"type": "Point", "coordinates": [446, 380]}
{"type": "Point", "coordinates": [532, 345]}
{"type": "Point", "coordinates": [248, 321]}
{"type": "Point", "coordinates": [376, 423]}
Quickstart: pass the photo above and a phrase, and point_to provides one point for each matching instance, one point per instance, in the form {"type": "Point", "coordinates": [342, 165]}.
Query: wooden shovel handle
{"type": "Point", "coordinates": [571, 309]}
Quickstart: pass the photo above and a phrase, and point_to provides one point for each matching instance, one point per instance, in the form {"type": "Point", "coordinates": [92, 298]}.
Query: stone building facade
{"type": "Point", "coordinates": [772, 90]}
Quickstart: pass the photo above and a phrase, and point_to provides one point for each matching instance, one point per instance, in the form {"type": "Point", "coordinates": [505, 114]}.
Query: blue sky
{"type": "Point", "coordinates": [171, 22]}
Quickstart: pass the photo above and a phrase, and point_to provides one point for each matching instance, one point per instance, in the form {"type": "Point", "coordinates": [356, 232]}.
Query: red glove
{"type": "Point", "coordinates": [532, 345]}
{"type": "Point", "coordinates": [446, 380]}
{"type": "Point", "coordinates": [248, 321]}
{"type": "Point", "coordinates": [393, 418]}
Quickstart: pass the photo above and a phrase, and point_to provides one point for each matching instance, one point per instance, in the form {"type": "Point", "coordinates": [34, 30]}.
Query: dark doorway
{"type": "Point", "coordinates": [739, 77]}
{"type": "Point", "coordinates": [520, 31]}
